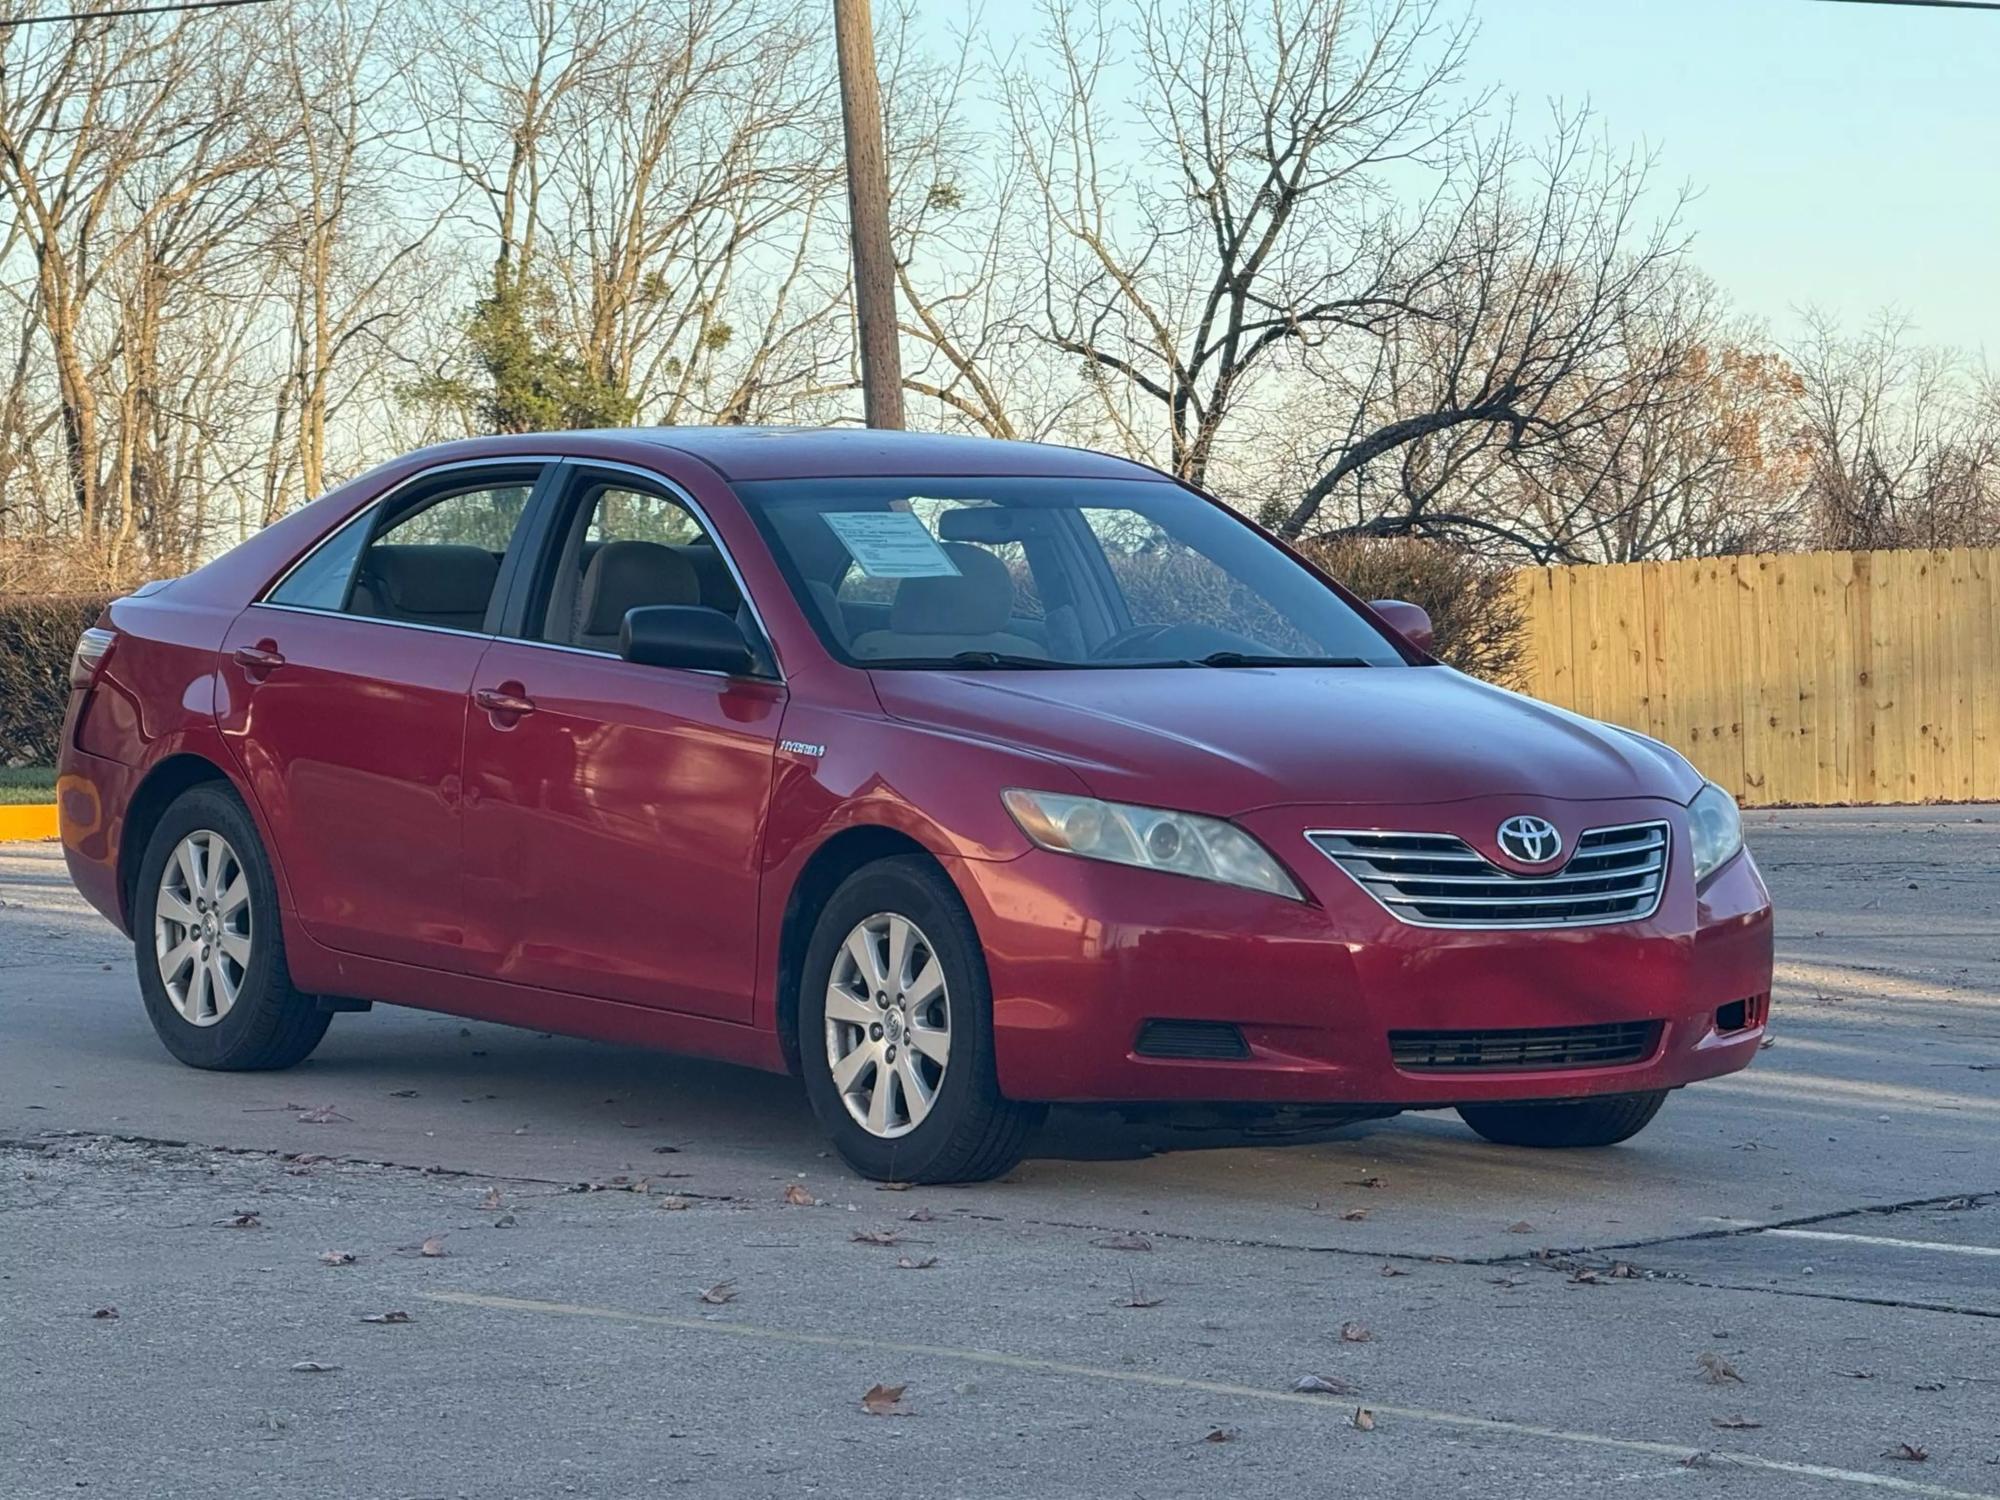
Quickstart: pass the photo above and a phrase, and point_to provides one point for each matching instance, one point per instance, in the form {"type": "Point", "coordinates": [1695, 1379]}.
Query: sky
{"type": "Point", "coordinates": [1845, 156]}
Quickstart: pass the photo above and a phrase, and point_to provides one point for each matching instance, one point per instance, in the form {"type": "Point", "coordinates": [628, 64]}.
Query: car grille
{"type": "Point", "coordinates": [1538, 1047]}
{"type": "Point", "coordinates": [1439, 880]}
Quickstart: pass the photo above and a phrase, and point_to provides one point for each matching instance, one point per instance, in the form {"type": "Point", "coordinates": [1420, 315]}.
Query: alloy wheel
{"type": "Point", "coordinates": [202, 927]}
{"type": "Point", "coordinates": [888, 1025]}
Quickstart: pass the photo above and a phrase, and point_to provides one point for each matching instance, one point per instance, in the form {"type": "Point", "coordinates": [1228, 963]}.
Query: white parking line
{"type": "Point", "coordinates": [1497, 1426]}
{"type": "Point", "coordinates": [1886, 1241]}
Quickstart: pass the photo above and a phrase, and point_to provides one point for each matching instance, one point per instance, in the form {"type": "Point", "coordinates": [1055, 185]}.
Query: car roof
{"type": "Point", "coordinates": [751, 453]}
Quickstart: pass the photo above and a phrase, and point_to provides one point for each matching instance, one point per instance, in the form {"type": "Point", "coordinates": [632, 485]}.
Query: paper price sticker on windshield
{"type": "Point", "coordinates": [890, 544]}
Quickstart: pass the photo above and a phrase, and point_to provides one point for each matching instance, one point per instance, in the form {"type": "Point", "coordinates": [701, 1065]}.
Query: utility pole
{"type": "Point", "coordinates": [868, 215]}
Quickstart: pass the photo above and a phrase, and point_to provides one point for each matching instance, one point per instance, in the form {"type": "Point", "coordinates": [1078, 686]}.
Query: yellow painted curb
{"type": "Point", "coordinates": [30, 821]}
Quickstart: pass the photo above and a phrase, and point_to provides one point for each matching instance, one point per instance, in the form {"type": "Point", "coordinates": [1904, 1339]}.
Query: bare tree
{"type": "Point", "coordinates": [1904, 443]}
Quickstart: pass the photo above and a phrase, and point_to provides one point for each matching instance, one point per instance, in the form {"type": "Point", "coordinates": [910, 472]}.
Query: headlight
{"type": "Point", "coordinates": [1715, 828]}
{"type": "Point", "coordinates": [1182, 843]}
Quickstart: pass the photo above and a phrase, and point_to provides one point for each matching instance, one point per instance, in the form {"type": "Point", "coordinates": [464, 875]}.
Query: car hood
{"type": "Point", "coordinates": [1226, 740]}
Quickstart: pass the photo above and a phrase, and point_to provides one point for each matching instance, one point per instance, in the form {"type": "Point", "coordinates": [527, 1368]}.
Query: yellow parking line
{"type": "Point", "coordinates": [1495, 1425]}
{"type": "Point", "coordinates": [34, 820]}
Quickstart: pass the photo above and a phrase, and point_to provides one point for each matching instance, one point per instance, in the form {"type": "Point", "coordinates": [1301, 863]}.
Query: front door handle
{"type": "Point", "coordinates": [507, 699]}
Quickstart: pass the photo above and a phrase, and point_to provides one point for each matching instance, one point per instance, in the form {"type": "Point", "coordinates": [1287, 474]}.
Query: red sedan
{"type": "Point", "coordinates": [957, 776]}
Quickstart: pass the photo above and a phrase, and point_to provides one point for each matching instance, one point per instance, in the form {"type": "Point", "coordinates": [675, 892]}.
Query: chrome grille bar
{"type": "Point", "coordinates": [1615, 874]}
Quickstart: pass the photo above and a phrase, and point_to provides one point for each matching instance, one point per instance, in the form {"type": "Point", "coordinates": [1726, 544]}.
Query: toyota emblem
{"type": "Point", "coordinates": [1530, 840]}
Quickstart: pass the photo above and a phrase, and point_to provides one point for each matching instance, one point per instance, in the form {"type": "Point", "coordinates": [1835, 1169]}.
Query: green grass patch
{"type": "Point", "coordinates": [25, 784]}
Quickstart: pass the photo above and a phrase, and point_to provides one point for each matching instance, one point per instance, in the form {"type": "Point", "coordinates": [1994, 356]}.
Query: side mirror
{"type": "Point", "coordinates": [1411, 621]}
{"type": "Point", "coordinates": [685, 635]}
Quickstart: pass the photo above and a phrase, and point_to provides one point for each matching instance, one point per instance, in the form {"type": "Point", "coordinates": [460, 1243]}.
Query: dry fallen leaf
{"type": "Point", "coordinates": [1370, 1180]}
{"type": "Point", "coordinates": [493, 1199]}
{"type": "Point", "coordinates": [336, 1257]}
{"type": "Point", "coordinates": [1718, 1371]}
{"type": "Point", "coordinates": [884, 1400]}
{"type": "Point", "coordinates": [324, 1114]}
{"type": "Point", "coordinates": [1355, 1215]}
{"type": "Point", "coordinates": [1908, 1453]}
{"type": "Point", "coordinates": [1354, 1333]}
{"type": "Point", "coordinates": [1735, 1424]}
{"type": "Point", "coordinates": [918, 1216]}
{"type": "Point", "coordinates": [1123, 1242]}
{"type": "Point", "coordinates": [240, 1221]}
{"type": "Point", "coordinates": [105, 1313]}
{"type": "Point", "coordinates": [894, 1187]}
{"type": "Point", "coordinates": [876, 1237]}
{"type": "Point", "coordinates": [1392, 1271]}
{"type": "Point", "coordinates": [388, 1317]}
{"type": "Point", "coordinates": [798, 1197]}
{"type": "Point", "coordinates": [1221, 1435]}
{"type": "Point", "coordinates": [1584, 1276]}
{"type": "Point", "coordinates": [1623, 1271]}
{"type": "Point", "coordinates": [1363, 1418]}
{"type": "Point", "coordinates": [721, 1292]}
{"type": "Point", "coordinates": [1520, 1226]}
{"type": "Point", "coordinates": [1325, 1385]}
{"type": "Point", "coordinates": [674, 1202]}
{"type": "Point", "coordinates": [313, 1367]}
{"type": "Point", "coordinates": [432, 1247]}
{"type": "Point", "coordinates": [904, 1263]}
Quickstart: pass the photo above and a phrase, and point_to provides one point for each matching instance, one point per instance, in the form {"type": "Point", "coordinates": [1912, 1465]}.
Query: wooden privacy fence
{"type": "Point", "coordinates": [1817, 677]}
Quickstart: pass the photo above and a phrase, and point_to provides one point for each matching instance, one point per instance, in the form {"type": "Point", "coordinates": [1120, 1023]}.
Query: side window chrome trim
{"type": "Point", "coordinates": [506, 461]}
{"type": "Point", "coordinates": [341, 614]}
{"type": "Point", "coordinates": [583, 467]}
{"type": "Point", "coordinates": [595, 655]}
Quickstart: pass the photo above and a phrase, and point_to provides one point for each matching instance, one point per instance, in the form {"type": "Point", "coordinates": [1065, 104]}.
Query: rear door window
{"type": "Point", "coordinates": [433, 559]}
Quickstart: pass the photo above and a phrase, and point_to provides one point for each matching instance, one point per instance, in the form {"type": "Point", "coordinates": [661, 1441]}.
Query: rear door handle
{"type": "Point", "coordinates": [502, 701]}
{"type": "Point", "coordinates": [258, 661]}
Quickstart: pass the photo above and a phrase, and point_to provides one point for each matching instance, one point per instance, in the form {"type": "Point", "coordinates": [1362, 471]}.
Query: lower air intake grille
{"type": "Point", "coordinates": [1213, 1041]}
{"type": "Point", "coordinates": [1526, 1050]}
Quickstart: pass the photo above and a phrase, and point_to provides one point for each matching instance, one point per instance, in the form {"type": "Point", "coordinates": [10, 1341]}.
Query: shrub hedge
{"type": "Point", "coordinates": [1480, 626]}
{"type": "Point", "coordinates": [37, 637]}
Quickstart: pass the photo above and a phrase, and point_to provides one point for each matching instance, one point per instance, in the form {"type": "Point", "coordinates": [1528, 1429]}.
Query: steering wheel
{"type": "Point", "coordinates": [1121, 643]}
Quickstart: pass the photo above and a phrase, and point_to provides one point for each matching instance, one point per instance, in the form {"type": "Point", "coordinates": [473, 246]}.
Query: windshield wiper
{"type": "Point", "coordinates": [1247, 659]}
{"type": "Point", "coordinates": [1001, 659]}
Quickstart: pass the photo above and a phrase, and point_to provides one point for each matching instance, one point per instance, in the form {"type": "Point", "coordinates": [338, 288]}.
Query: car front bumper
{"type": "Point", "coordinates": [1083, 954]}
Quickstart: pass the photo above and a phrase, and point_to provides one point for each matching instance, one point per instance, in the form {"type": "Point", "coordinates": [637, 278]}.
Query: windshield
{"type": "Point", "coordinates": [1021, 573]}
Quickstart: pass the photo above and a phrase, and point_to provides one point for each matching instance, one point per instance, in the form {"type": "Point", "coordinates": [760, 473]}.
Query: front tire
{"type": "Point", "coordinates": [1572, 1123]}
{"type": "Point", "coordinates": [896, 1032]}
{"type": "Point", "coordinates": [210, 949]}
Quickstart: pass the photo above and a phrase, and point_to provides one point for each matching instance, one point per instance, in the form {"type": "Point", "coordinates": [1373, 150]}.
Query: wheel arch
{"type": "Point", "coordinates": [163, 785]}
{"type": "Point", "coordinates": [831, 863]}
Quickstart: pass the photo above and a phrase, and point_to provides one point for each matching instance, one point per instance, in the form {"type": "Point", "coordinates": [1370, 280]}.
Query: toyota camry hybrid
{"type": "Point", "coordinates": [959, 777]}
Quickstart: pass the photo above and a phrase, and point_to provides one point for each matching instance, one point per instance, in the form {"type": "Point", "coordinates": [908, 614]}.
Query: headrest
{"type": "Point", "coordinates": [632, 575]}
{"type": "Point", "coordinates": [421, 579]}
{"type": "Point", "coordinates": [975, 602]}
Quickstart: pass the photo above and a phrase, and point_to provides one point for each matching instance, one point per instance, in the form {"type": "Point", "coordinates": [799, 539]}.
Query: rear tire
{"type": "Point", "coordinates": [896, 960]}
{"type": "Point", "coordinates": [1572, 1123]}
{"type": "Point", "coordinates": [210, 945]}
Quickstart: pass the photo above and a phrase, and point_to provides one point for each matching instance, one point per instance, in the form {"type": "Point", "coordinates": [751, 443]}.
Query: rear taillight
{"type": "Point", "coordinates": [93, 649]}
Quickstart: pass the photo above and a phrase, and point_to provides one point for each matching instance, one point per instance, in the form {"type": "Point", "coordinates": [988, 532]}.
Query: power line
{"type": "Point", "coordinates": [1933, 4]}
{"type": "Point", "coordinates": [136, 10]}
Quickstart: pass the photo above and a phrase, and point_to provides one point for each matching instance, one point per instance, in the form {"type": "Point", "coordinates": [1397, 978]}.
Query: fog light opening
{"type": "Point", "coordinates": [1742, 1015]}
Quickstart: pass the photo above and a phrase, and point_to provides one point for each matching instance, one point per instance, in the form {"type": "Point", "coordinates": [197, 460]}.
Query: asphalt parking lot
{"type": "Point", "coordinates": [631, 1275]}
